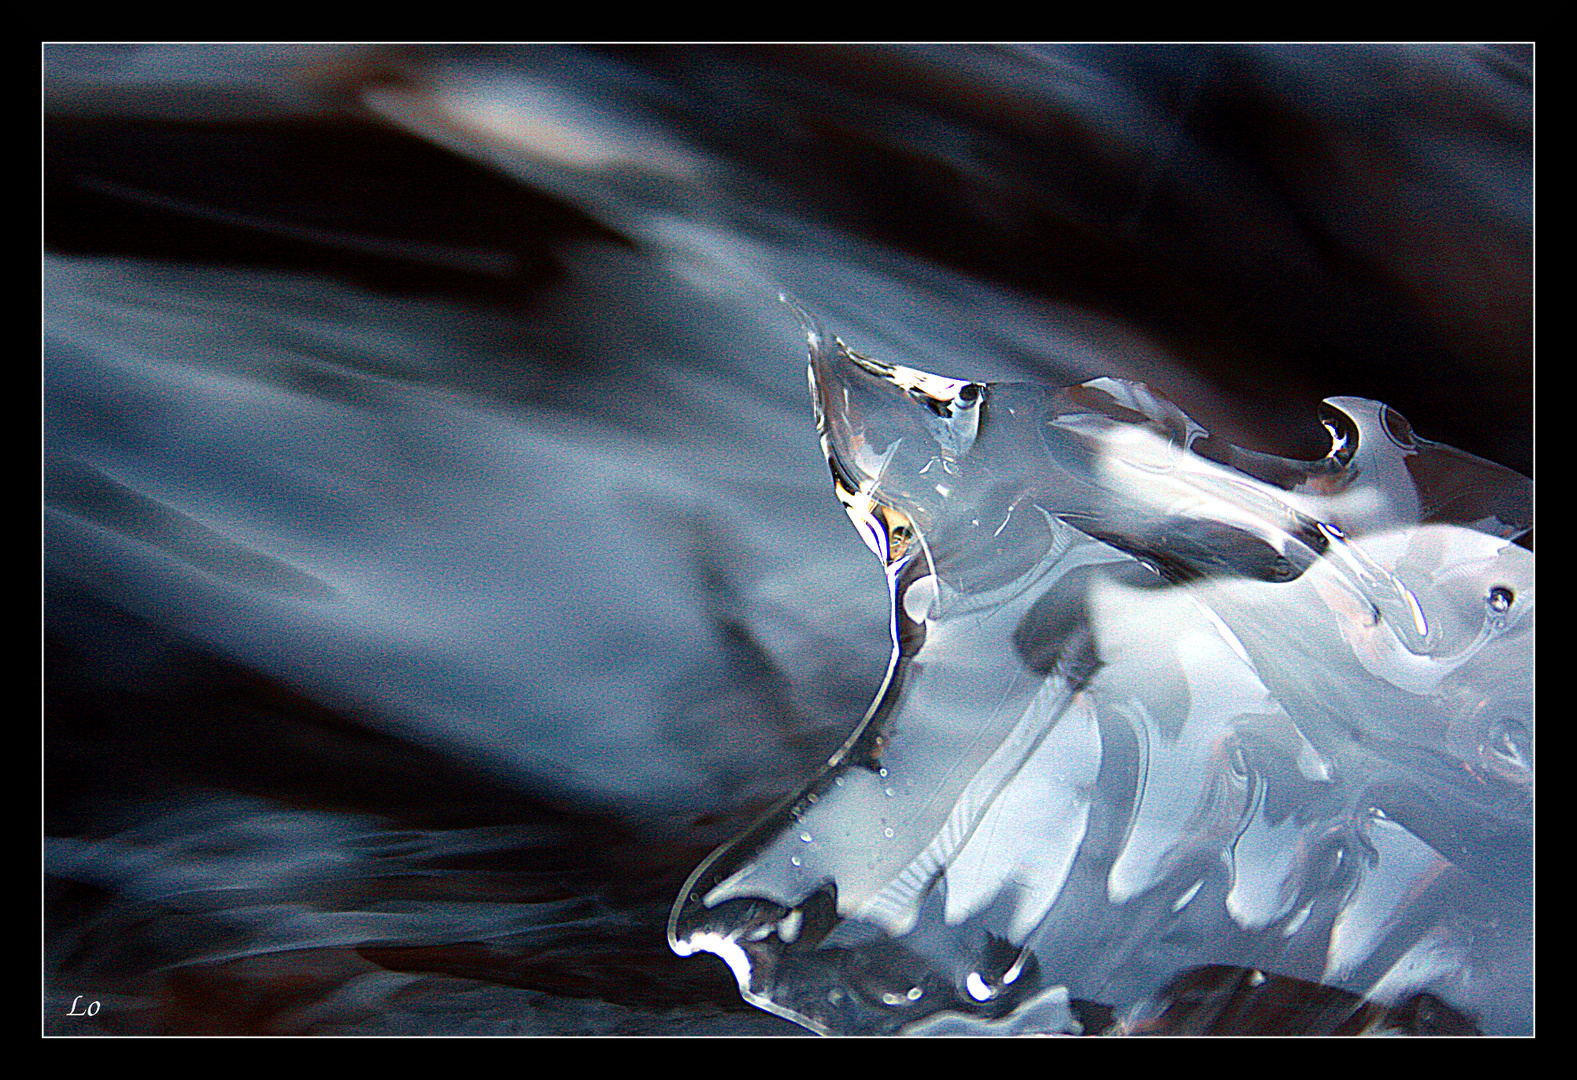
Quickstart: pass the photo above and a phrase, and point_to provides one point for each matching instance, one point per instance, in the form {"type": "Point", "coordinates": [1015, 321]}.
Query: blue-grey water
{"type": "Point", "coordinates": [440, 559]}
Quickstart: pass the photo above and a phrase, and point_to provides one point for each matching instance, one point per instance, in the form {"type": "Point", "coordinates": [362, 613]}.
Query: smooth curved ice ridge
{"type": "Point", "coordinates": [1154, 703]}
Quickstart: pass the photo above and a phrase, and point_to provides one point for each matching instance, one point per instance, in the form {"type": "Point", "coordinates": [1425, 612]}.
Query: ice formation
{"type": "Point", "coordinates": [1155, 703]}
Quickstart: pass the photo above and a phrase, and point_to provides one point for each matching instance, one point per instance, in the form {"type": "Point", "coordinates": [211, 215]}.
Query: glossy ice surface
{"type": "Point", "coordinates": [1154, 703]}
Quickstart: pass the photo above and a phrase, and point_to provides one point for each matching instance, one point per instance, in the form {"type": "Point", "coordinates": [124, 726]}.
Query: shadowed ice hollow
{"type": "Point", "coordinates": [1155, 703]}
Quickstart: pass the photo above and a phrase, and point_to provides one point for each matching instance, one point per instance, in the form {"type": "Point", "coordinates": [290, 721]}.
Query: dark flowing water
{"type": "Point", "coordinates": [440, 558]}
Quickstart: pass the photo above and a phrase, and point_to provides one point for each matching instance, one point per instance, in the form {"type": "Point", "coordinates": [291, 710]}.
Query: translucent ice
{"type": "Point", "coordinates": [1155, 703]}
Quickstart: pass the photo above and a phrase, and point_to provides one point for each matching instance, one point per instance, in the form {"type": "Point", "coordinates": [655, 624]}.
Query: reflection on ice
{"type": "Point", "coordinates": [1155, 703]}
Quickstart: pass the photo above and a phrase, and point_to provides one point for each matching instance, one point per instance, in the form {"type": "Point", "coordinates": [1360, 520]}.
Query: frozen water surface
{"type": "Point", "coordinates": [1155, 703]}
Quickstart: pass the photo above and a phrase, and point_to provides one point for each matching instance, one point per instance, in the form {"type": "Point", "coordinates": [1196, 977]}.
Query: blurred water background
{"type": "Point", "coordinates": [439, 559]}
